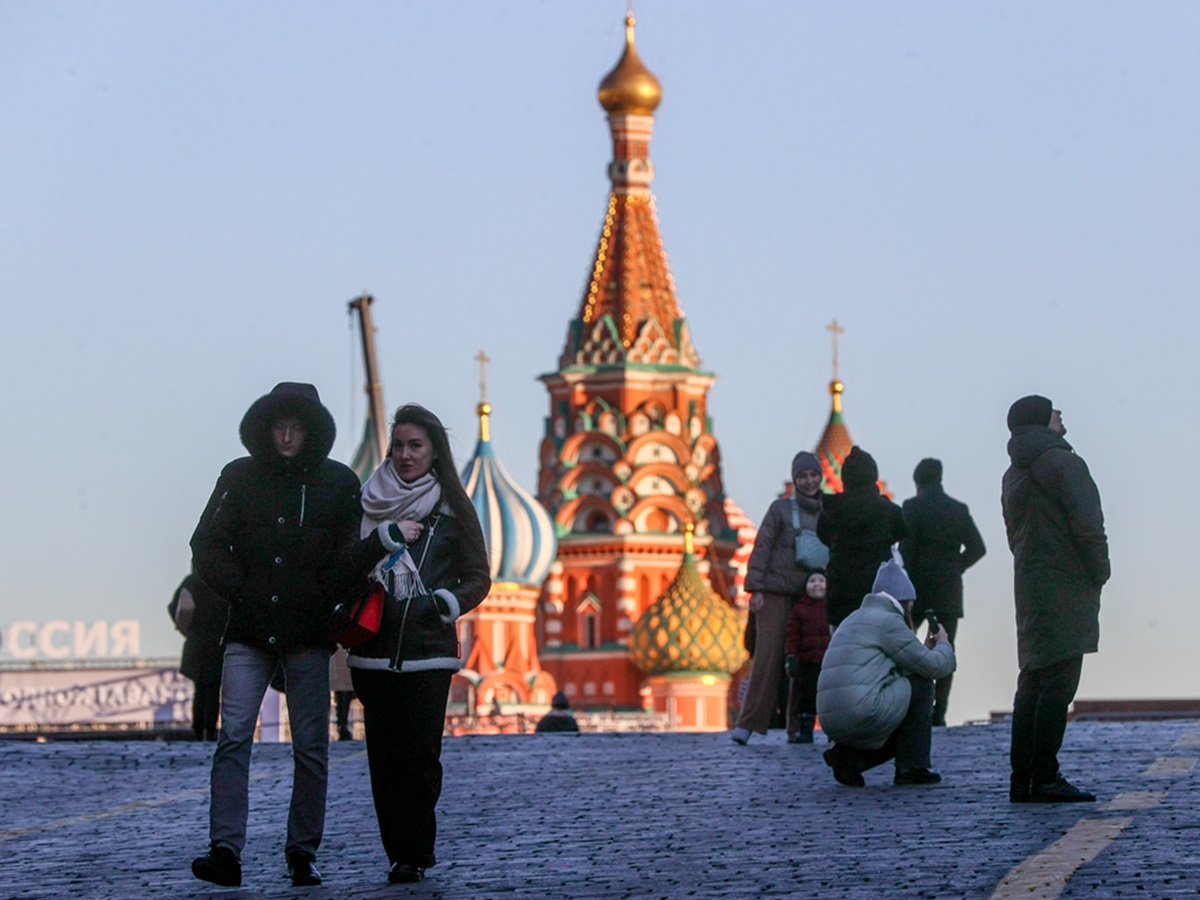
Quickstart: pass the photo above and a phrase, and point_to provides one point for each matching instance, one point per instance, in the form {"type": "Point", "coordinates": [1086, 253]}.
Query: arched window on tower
{"type": "Point", "coordinates": [587, 614]}
{"type": "Point", "coordinates": [598, 523]}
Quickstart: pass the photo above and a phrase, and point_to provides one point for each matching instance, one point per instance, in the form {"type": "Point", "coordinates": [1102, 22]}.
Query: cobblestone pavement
{"type": "Point", "coordinates": [633, 815]}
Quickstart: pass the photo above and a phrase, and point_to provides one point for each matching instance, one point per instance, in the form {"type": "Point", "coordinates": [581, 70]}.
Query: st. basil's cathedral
{"type": "Point", "coordinates": [621, 582]}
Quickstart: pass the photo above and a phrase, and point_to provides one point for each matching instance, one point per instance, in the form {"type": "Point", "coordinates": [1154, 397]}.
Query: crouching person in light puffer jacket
{"type": "Point", "coordinates": [875, 692]}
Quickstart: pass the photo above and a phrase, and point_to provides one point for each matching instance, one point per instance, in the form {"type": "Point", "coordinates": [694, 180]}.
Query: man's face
{"type": "Point", "coordinates": [1056, 422]}
{"type": "Point", "coordinates": [288, 437]}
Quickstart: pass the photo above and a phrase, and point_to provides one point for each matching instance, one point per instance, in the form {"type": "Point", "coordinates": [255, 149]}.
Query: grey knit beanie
{"type": "Point", "coordinates": [892, 579]}
{"type": "Point", "coordinates": [803, 462]}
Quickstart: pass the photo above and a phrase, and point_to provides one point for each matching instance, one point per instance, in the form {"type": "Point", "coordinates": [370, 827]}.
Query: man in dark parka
{"type": "Point", "coordinates": [1055, 530]}
{"type": "Point", "coordinates": [274, 541]}
{"type": "Point", "coordinates": [859, 526]}
{"type": "Point", "coordinates": [942, 543]}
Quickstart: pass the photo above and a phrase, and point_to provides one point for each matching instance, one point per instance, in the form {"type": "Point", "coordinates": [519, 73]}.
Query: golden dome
{"type": "Point", "coordinates": [630, 87]}
{"type": "Point", "coordinates": [688, 629]}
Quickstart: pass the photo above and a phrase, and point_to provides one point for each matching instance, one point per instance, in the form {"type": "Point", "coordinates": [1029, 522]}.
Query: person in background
{"type": "Point", "coordinates": [1055, 530]}
{"type": "Point", "coordinates": [200, 615]}
{"type": "Point", "coordinates": [775, 577]}
{"type": "Point", "coordinates": [859, 526]}
{"type": "Point", "coordinates": [942, 543]}
{"type": "Point", "coordinates": [343, 693]}
{"type": "Point", "coordinates": [271, 541]}
{"type": "Point", "coordinates": [875, 693]}
{"type": "Point", "coordinates": [807, 641]}
{"type": "Point", "coordinates": [559, 718]}
{"type": "Point", "coordinates": [426, 548]}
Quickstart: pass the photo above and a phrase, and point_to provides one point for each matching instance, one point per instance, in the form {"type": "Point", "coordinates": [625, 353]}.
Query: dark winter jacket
{"type": "Point", "coordinates": [773, 568]}
{"type": "Point", "coordinates": [859, 526]}
{"type": "Point", "coordinates": [413, 635]}
{"type": "Point", "coordinates": [273, 534]}
{"type": "Point", "coordinates": [942, 543]}
{"type": "Point", "coordinates": [557, 720]}
{"type": "Point", "coordinates": [807, 631]}
{"type": "Point", "coordinates": [1060, 553]}
{"type": "Point", "coordinates": [203, 655]}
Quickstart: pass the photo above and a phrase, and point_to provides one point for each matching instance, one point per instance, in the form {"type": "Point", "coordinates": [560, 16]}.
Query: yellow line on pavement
{"type": "Point", "coordinates": [1135, 800]}
{"type": "Point", "coordinates": [1045, 874]}
{"type": "Point", "coordinates": [1170, 767]}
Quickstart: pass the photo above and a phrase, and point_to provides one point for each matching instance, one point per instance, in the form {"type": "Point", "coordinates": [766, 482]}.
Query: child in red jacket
{"type": "Point", "coordinates": [807, 640]}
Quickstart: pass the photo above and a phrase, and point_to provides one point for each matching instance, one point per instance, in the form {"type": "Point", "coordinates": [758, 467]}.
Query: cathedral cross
{"type": "Point", "coordinates": [483, 359]}
{"type": "Point", "coordinates": [836, 329]}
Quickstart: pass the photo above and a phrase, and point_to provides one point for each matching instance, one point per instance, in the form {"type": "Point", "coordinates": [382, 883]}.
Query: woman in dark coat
{"type": "Point", "coordinates": [200, 615]}
{"type": "Point", "coordinates": [776, 581]}
{"type": "Point", "coordinates": [421, 536]}
{"type": "Point", "coordinates": [859, 526]}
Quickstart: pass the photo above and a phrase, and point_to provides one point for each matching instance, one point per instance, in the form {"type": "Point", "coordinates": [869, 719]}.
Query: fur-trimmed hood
{"type": "Point", "coordinates": [289, 399]}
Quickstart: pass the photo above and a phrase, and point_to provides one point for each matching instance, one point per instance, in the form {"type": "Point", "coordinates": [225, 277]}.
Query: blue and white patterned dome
{"type": "Point", "coordinates": [518, 529]}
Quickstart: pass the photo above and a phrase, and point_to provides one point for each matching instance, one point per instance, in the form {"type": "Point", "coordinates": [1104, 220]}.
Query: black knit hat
{"type": "Point", "coordinates": [1031, 410]}
{"type": "Point", "coordinates": [859, 468]}
{"type": "Point", "coordinates": [928, 471]}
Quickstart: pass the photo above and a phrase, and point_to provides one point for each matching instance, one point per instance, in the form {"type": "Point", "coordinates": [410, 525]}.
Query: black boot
{"type": "Point", "coordinates": [301, 869]}
{"type": "Point", "coordinates": [219, 866]}
{"type": "Point", "coordinates": [805, 734]}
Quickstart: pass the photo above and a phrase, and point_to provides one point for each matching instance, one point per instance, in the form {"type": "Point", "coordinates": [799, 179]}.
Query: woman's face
{"type": "Point", "coordinates": [808, 482]}
{"type": "Point", "coordinates": [816, 586]}
{"type": "Point", "coordinates": [412, 452]}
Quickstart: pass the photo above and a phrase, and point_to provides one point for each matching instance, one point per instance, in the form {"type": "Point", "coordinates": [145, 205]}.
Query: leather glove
{"type": "Point", "coordinates": [791, 665]}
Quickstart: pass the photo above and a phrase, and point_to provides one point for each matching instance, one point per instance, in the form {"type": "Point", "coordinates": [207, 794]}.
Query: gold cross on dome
{"type": "Point", "coordinates": [836, 329]}
{"type": "Point", "coordinates": [483, 359]}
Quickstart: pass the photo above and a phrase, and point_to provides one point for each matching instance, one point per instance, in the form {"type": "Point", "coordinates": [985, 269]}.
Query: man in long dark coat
{"type": "Point", "coordinates": [1060, 556]}
{"type": "Point", "coordinates": [942, 543]}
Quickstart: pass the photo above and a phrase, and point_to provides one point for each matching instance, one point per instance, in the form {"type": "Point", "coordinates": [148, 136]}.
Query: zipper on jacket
{"type": "Point", "coordinates": [400, 639]}
{"type": "Point", "coordinates": [303, 489]}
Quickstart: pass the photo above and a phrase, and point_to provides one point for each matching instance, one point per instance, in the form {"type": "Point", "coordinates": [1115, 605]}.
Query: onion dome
{"type": "Point", "coordinates": [689, 628]}
{"type": "Point", "coordinates": [518, 531]}
{"type": "Point", "coordinates": [630, 87]}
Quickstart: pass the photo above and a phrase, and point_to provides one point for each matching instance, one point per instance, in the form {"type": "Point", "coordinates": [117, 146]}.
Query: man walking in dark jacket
{"type": "Point", "coordinates": [1060, 557]}
{"type": "Point", "coordinates": [942, 543]}
{"type": "Point", "coordinates": [270, 542]}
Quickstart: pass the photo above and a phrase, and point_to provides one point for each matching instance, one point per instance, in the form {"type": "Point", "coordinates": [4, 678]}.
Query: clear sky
{"type": "Point", "coordinates": [993, 199]}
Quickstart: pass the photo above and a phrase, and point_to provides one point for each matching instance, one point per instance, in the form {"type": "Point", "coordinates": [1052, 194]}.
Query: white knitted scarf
{"type": "Point", "coordinates": [386, 497]}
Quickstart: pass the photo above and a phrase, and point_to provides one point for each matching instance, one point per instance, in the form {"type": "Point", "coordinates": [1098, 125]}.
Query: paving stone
{"type": "Point", "coordinates": [615, 815]}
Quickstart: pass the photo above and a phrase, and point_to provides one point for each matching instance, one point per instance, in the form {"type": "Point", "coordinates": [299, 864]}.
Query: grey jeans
{"type": "Point", "coordinates": [244, 681]}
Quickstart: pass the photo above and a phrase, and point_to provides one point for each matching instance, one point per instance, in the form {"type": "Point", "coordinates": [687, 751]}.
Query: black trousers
{"type": "Point", "coordinates": [941, 687]}
{"type": "Point", "coordinates": [1040, 718]}
{"type": "Point", "coordinates": [404, 715]}
{"type": "Point", "coordinates": [910, 744]}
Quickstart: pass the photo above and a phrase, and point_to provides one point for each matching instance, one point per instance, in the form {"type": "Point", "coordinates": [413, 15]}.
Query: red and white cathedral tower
{"type": "Point", "coordinates": [629, 458]}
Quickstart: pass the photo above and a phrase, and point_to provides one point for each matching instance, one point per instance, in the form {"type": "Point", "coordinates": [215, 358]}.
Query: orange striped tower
{"type": "Point", "coordinates": [629, 457]}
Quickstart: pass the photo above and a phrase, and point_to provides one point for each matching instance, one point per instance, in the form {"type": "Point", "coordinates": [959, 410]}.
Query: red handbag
{"type": "Point", "coordinates": [357, 622]}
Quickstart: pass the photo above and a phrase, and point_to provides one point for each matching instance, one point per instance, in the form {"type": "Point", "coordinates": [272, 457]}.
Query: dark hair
{"type": "Point", "coordinates": [444, 469]}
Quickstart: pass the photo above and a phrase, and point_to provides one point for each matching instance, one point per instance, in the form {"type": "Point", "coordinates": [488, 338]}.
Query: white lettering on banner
{"type": "Point", "coordinates": [60, 697]}
{"type": "Point", "coordinates": [12, 640]}
{"type": "Point", "coordinates": [92, 642]}
{"type": "Point", "coordinates": [45, 639]}
{"type": "Point", "coordinates": [60, 639]}
{"type": "Point", "coordinates": [124, 636]}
